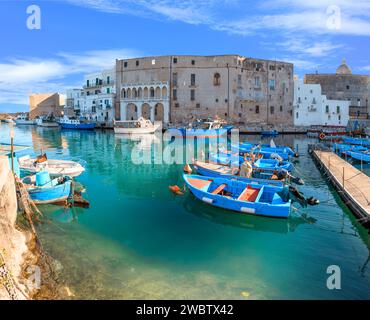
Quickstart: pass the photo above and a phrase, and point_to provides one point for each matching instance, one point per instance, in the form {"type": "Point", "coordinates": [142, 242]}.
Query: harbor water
{"type": "Point", "coordinates": [139, 241]}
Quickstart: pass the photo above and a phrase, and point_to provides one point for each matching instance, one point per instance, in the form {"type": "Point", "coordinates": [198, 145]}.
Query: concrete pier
{"type": "Point", "coordinates": [352, 185]}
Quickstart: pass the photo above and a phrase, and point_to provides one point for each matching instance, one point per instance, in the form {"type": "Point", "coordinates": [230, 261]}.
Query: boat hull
{"type": "Point", "coordinates": [255, 208]}
{"type": "Point", "coordinates": [25, 122]}
{"type": "Point", "coordinates": [202, 170]}
{"type": "Point", "coordinates": [136, 130]}
{"type": "Point", "coordinates": [56, 168]}
{"type": "Point", "coordinates": [46, 195]}
{"type": "Point", "coordinates": [358, 156]}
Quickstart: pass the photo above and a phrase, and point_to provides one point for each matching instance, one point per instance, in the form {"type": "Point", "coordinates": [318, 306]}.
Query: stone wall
{"type": "Point", "coordinates": [42, 104]}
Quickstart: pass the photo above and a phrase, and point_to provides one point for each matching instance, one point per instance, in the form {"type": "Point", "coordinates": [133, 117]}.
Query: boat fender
{"type": "Point", "coordinates": [207, 200]}
{"type": "Point", "coordinates": [313, 201]}
{"type": "Point", "coordinates": [187, 169]}
{"type": "Point", "coordinates": [176, 190]}
{"type": "Point", "coordinates": [248, 210]}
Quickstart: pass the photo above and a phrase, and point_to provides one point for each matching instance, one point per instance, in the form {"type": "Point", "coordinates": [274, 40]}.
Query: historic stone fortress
{"type": "Point", "coordinates": [343, 85]}
{"type": "Point", "coordinates": [178, 88]}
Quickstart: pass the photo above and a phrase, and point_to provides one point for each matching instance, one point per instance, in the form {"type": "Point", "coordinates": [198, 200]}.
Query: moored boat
{"type": "Point", "coordinates": [359, 156]}
{"type": "Point", "coordinates": [222, 171]}
{"type": "Point", "coordinates": [76, 124]}
{"type": "Point", "coordinates": [23, 119]}
{"type": "Point", "coordinates": [140, 126]}
{"type": "Point", "coordinates": [357, 141]}
{"type": "Point", "coordinates": [269, 133]}
{"type": "Point", "coordinates": [46, 122]}
{"type": "Point", "coordinates": [207, 128]}
{"type": "Point", "coordinates": [56, 168]}
{"type": "Point", "coordinates": [43, 190]}
{"type": "Point", "coordinates": [240, 196]}
{"type": "Point", "coordinates": [8, 120]}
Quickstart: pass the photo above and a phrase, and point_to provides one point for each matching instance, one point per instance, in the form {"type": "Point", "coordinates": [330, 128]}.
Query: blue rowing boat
{"type": "Point", "coordinates": [43, 190]}
{"type": "Point", "coordinates": [240, 196]}
{"type": "Point", "coordinates": [202, 129]}
{"type": "Point", "coordinates": [359, 156]}
{"type": "Point", "coordinates": [262, 164]}
{"type": "Point", "coordinates": [357, 141]}
{"type": "Point", "coordinates": [265, 150]}
{"type": "Point", "coordinates": [222, 171]}
{"type": "Point", "coordinates": [270, 133]}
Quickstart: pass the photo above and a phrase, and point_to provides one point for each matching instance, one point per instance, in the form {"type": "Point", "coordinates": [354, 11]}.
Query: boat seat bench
{"type": "Point", "coordinates": [249, 194]}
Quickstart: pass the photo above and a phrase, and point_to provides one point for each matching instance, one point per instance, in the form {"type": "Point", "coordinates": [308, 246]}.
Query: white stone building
{"type": "Point", "coordinates": [99, 94]}
{"type": "Point", "coordinates": [74, 101]}
{"type": "Point", "coordinates": [311, 107]}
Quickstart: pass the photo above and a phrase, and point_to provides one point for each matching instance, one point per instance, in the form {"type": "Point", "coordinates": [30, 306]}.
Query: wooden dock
{"type": "Point", "coordinates": [352, 185]}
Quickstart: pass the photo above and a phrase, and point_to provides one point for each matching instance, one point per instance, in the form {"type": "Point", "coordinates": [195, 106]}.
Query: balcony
{"type": "Point", "coordinates": [99, 85]}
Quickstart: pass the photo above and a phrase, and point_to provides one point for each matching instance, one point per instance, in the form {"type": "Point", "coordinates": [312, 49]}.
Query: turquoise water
{"type": "Point", "coordinates": [138, 240]}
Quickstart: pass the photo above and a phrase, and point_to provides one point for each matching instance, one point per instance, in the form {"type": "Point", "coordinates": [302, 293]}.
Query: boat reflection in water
{"type": "Point", "coordinates": [235, 219]}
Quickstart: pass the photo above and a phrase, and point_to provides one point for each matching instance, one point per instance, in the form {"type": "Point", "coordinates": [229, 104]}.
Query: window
{"type": "Point", "coordinates": [97, 81]}
{"type": "Point", "coordinates": [313, 101]}
{"type": "Point", "coordinates": [257, 82]}
{"type": "Point", "coordinates": [299, 100]}
{"type": "Point", "coordinates": [125, 64]}
{"type": "Point", "coordinates": [108, 79]}
{"type": "Point", "coordinates": [257, 109]}
{"type": "Point", "coordinates": [192, 79]}
{"type": "Point", "coordinates": [216, 79]}
{"type": "Point", "coordinates": [339, 118]}
{"type": "Point", "coordinates": [281, 108]}
{"type": "Point", "coordinates": [193, 62]}
{"type": "Point", "coordinates": [96, 91]}
{"type": "Point", "coordinates": [88, 83]}
{"type": "Point", "coordinates": [239, 79]}
{"type": "Point", "coordinates": [272, 109]}
{"type": "Point", "coordinates": [153, 62]}
{"type": "Point", "coordinates": [88, 93]}
{"type": "Point", "coordinates": [338, 109]}
{"type": "Point", "coordinates": [272, 84]}
{"type": "Point", "coordinates": [327, 109]}
{"type": "Point", "coordinates": [174, 94]}
{"type": "Point", "coordinates": [197, 105]}
{"type": "Point", "coordinates": [192, 94]}
{"type": "Point", "coordinates": [174, 79]}
{"type": "Point", "coordinates": [177, 105]}
{"type": "Point", "coordinates": [152, 92]}
{"type": "Point", "coordinates": [216, 100]}
{"type": "Point", "coordinates": [108, 90]}
{"type": "Point", "coordinates": [174, 60]}
{"type": "Point", "coordinates": [271, 67]}
{"type": "Point", "coordinates": [137, 63]}
{"type": "Point", "coordinates": [93, 109]}
{"type": "Point", "coordinates": [347, 87]}
{"type": "Point", "coordinates": [296, 115]}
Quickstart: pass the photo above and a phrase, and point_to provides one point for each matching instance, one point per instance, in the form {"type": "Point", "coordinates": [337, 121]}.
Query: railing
{"type": "Point", "coordinates": [100, 84]}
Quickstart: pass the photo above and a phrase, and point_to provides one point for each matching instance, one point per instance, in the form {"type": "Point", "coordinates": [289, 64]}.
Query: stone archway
{"type": "Point", "coordinates": [159, 112]}
{"type": "Point", "coordinates": [145, 111]}
{"type": "Point", "coordinates": [131, 112]}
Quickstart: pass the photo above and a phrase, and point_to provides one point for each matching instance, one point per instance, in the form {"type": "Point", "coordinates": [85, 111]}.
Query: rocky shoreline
{"type": "Point", "coordinates": [26, 272]}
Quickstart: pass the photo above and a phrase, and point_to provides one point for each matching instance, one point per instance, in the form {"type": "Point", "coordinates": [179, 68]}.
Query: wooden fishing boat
{"type": "Point", "coordinates": [43, 190]}
{"type": "Point", "coordinates": [269, 133]}
{"type": "Point", "coordinates": [268, 152]}
{"type": "Point", "coordinates": [262, 164]}
{"type": "Point", "coordinates": [359, 156]}
{"type": "Point", "coordinates": [56, 168]}
{"type": "Point", "coordinates": [357, 141]}
{"type": "Point", "coordinates": [222, 171]}
{"type": "Point", "coordinates": [23, 119]}
{"type": "Point", "coordinates": [140, 126]}
{"type": "Point", "coordinates": [240, 196]}
{"type": "Point", "coordinates": [76, 124]}
{"type": "Point", "coordinates": [203, 129]}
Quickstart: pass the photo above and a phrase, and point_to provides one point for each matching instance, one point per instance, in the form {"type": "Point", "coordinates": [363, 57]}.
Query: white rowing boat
{"type": "Point", "coordinates": [55, 168]}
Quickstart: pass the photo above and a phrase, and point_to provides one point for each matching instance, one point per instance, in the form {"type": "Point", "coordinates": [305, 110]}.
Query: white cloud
{"type": "Point", "coordinates": [20, 77]}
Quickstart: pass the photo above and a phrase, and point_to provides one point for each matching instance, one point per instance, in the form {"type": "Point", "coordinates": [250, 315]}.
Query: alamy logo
{"type": "Point", "coordinates": [334, 280]}
{"type": "Point", "coordinates": [333, 22]}
{"type": "Point", "coordinates": [34, 18]}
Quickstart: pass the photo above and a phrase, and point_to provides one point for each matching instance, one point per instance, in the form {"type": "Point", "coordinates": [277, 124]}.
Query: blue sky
{"type": "Point", "coordinates": [83, 36]}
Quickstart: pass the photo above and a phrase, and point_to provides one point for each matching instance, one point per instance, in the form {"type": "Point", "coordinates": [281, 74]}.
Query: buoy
{"type": "Point", "coordinates": [187, 169]}
{"type": "Point", "coordinates": [176, 190]}
{"type": "Point", "coordinates": [322, 136]}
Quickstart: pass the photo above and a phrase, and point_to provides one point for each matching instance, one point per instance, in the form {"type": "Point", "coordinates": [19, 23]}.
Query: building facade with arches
{"type": "Point", "coordinates": [179, 89]}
